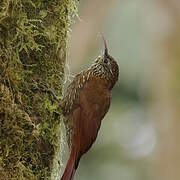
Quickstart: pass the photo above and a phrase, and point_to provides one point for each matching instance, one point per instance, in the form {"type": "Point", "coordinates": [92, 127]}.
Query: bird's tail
{"type": "Point", "coordinates": [70, 167]}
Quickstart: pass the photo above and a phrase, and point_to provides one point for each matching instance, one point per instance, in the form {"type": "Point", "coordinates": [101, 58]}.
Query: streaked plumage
{"type": "Point", "coordinates": [85, 104]}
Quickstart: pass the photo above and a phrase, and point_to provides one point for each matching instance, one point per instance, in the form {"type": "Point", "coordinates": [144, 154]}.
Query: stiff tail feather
{"type": "Point", "coordinates": [70, 167]}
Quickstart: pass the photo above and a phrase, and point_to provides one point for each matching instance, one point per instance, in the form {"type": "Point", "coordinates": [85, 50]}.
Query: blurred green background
{"type": "Point", "coordinates": [139, 137]}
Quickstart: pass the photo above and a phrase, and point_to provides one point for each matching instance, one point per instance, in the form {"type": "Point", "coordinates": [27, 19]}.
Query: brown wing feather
{"type": "Point", "coordinates": [87, 118]}
{"type": "Point", "coordinates": [72, 92]}
{"type": "Point", "coordinates": [70, 100]}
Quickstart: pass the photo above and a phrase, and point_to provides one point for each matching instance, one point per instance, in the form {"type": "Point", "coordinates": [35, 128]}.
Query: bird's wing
{"type": "Point", "coordinates": [71, 94]}
{"type": "Point", "coordinates": [87, 120]}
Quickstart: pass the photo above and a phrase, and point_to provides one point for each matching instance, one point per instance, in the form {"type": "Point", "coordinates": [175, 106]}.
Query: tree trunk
{"type": "Point", "coordinates": [33, 48]}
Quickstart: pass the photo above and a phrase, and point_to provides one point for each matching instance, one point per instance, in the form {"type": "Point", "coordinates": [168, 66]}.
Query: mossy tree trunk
{"type": "Point", "coordinates": [33, 45]}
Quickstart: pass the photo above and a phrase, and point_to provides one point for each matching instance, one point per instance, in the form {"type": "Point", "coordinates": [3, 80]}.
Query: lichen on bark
{"type": "Point", "coordinates": [33, 48]}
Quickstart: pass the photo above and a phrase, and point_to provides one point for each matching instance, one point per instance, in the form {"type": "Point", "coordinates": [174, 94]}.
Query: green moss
{"type": "Point", "coordinates": [33, 48]}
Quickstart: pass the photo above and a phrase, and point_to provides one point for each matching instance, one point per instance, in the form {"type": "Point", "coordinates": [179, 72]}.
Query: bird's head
{"type": "Point", "coordinates": [105, 66]}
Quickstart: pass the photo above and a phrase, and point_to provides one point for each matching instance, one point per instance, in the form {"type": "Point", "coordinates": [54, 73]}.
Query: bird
{"type": "Point", "coordinates": [84, 105]}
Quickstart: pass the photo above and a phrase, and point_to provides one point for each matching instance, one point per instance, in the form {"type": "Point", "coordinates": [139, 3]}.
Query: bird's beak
{"type": "Point", "coordinates": [104, 49]}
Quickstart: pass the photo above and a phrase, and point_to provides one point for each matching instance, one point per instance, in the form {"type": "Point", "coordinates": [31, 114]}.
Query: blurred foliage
{"type": "Point", "coordinates": [127, 137]}
{"type": "Point", "coordinates": [33, 45]}
{"type": "Point", "coordinates": [139, 136]}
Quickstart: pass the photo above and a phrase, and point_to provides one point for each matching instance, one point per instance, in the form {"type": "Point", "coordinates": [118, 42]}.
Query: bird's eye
{"type": "Point", "coordinates": [105, 61]}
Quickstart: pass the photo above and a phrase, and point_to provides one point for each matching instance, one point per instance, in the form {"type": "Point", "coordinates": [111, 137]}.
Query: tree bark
{"type": "Point", "coordinates": [33, 48]}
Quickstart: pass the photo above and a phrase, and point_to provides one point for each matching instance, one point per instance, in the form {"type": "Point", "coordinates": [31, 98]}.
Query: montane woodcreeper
{"type": "Point", "coordinates": [85, 104]}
